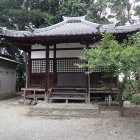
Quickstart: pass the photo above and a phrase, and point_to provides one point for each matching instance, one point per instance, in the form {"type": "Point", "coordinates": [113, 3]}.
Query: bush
{"type": "Point", "coordinates": [135, 100]}
{"type": "Point", "coordinates": [128, 96]}
{"type": "Point", "coordinates": [20, 84]}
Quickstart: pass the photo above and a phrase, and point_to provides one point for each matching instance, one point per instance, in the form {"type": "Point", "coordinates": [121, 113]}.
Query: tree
{"type": "Point", "coordinates": [73, 8]}
{"type": "Point", "coordinates": [118, 57]}
{"type": "Point", "coordinates": [137, 43]}
{"type": "Point", "coordinates": [9, 52]}
{"type": "Point", "coordinates": [97, 11]}
{"type": "Point", "coordinates": [121, 10]}
{"type": "Point", "coordinates": [137, 9]}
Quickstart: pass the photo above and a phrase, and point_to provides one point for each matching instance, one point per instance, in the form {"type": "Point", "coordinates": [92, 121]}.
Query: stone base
{"type": "Point", "coordinates": [65, 110]}
{"type": "Point", "coordinates": [7, 95]}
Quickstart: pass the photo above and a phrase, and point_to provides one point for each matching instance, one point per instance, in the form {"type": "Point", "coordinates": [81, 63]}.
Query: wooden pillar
{"type": "Point", "coordinates": [47, 75]}
{"type": "Point", "coordinates": [24, 95]}
{"type": "Point", "coordinates": [54, 66]}
{"type": "Point", "coordinates": [29, 70]}
{"type": "Point", "coordinates": [88, 83]}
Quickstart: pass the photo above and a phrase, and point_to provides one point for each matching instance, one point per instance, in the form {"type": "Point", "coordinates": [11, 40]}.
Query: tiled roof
{"type": "Point", "coordinates": [71, 26]}
{"type": "Point", "coordinates": [125, 29]}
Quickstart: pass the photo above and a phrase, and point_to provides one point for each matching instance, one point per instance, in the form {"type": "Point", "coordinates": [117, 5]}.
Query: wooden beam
{"type": "Point", "coordinates": [47, 75]}
{"type": "Point", "coordinates": [61, 49]}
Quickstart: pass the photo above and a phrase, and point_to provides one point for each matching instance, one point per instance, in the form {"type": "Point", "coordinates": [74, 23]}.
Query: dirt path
{"type": "Point", "coordinates": [15, 125]}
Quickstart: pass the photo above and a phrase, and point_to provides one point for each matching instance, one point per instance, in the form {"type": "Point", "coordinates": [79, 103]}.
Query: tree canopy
{"type": "Point", "coordinates": [16, 14]}
{"type": "Point", "coordinates": [119, 58]}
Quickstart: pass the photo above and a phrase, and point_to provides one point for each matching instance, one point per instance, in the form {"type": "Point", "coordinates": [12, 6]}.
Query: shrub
{"type": "Point", "coordinates": [128, 96]}
{"type": "Point", "coordinates": [135, 100]}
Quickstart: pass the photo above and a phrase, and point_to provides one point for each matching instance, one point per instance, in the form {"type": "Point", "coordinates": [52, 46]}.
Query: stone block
{"type": "Point", "coordinates": [27, 102]}
{"type": "Point", "coordinates": [33, 102]}
{"type": "Point", "coordinates": [21, 102]}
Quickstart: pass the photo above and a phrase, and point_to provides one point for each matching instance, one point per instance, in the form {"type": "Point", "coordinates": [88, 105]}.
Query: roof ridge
{"type": "Point", "coordinates": [91, 23]}
{"type": "Point", "coordinates": [73, 18]}
{"type": "Point", "coordinates": [51, 27]}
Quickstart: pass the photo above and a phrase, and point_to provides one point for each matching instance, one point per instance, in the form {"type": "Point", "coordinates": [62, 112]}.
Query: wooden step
{"type": "Point", "coordinates": [69, 88]}
{"type": "Point", "coordinates": [67, 93]}
{"type": "Point", "coordinates": [68, 96]}
{"type": "Point", "coordinates": [103, 91]}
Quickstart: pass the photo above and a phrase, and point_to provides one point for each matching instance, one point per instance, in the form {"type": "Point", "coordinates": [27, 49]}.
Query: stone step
{"type": "Point", "coordinates": [65, 110]}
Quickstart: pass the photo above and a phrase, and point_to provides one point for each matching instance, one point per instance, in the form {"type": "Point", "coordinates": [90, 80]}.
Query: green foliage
{"type": "Point", "coordinates": [119, 57]}
{"type": "Point", "coordinates": [19, 18]}
{"type": "Point", "coordinates": [135, 100]}
{"type": "Point", "coordinates": [97, 12]}
{"type": "Point", "coordinates": [128, 96]}
{"type": "Point", "coordinates": [71, 8]}
{"type": "Point", "coordinates": [9, 51]}
{"type": "Point", "coordinates": [132, 98]}
{"type": "Point", "coordinates": [106, 87]}
{"type": "Point", "coordinates": [16, 14]}
{"type": "Point", "coordinates": [137, 10]}
{"type": "Point", "coordinates": [20, 84]}
{"type": "Point", "coordinates": [120, 9]}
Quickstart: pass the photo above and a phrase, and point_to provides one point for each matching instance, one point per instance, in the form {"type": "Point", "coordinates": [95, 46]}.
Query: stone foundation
{"type": "Point", "coordinates": [7, 95]}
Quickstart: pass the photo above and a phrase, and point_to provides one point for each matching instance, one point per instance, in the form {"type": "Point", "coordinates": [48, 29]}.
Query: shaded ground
{"type": "Point", "coordinates": [15, 125]}
{"type": "Point", "coordinates": [130, 110]}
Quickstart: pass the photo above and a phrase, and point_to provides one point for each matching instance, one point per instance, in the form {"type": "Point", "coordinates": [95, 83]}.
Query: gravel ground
{"type": "Point", "coordinates": [15, 125]}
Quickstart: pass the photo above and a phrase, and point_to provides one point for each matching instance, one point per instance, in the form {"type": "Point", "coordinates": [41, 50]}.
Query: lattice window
{"type": "Point", "coordinates": [38, 66]}
{"type": "Point", "coordinates": [63, 65]}
{"type": "Point", "coordinates": [68, 65]}
{"type": "Point", "coordinates": [51, 65]}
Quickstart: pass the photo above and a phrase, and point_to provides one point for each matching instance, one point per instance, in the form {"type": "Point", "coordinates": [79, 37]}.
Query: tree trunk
{"type": "Point", "coordinates": [120, 100]}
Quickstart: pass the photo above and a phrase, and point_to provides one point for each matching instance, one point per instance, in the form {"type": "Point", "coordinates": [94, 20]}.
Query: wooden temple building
{"type": "Point", "coordinates": [53, 52]}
